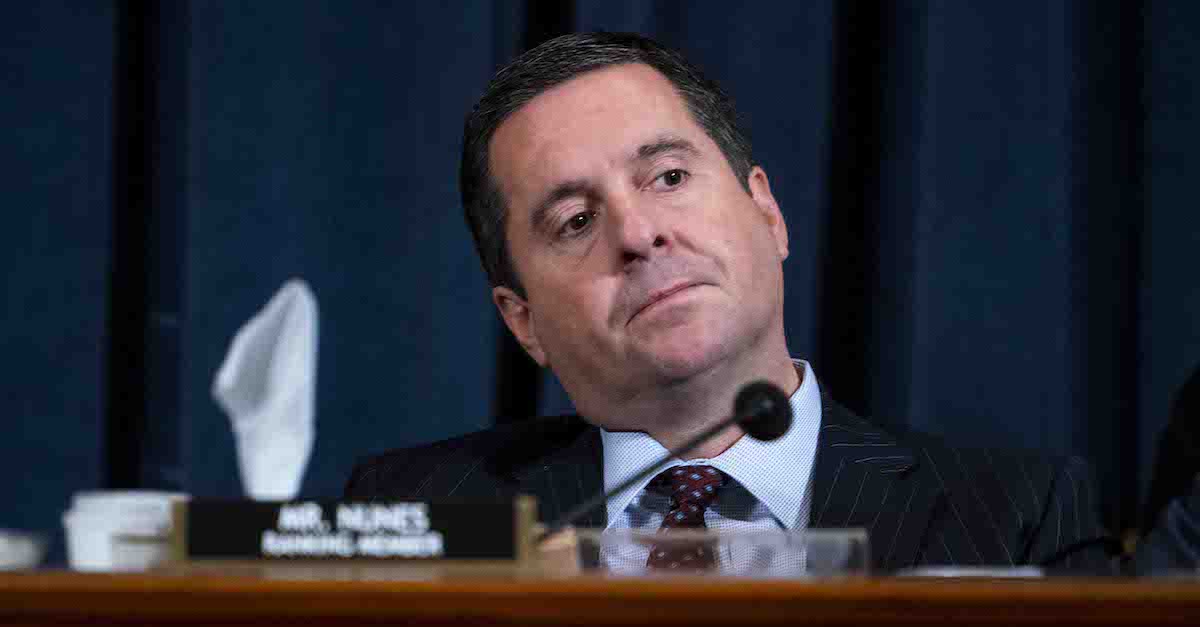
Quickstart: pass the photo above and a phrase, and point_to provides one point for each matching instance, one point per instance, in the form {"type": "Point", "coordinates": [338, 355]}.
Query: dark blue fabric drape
{"type": "Point", "coordinates": [323, 143]}
{"type": "Point", "coordinates": [992, 235]}
{"type": "Point", "coordinates": [56, 206]}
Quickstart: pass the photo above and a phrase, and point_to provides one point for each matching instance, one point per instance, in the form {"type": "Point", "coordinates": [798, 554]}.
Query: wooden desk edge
{"type": "Point", "coordinates": [596, 600]}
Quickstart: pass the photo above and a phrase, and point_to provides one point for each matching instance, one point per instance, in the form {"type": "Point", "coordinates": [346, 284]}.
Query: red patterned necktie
{"type": "Point", "coordinates": [692, 489]}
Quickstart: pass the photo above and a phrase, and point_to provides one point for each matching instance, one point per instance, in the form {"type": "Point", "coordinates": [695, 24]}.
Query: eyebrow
{"type": "Point", "coordinates": [665, 144]}
{"type": "Point", "coordinates": [540, 217]}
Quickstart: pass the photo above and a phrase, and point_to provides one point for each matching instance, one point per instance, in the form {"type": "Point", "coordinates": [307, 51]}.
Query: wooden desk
{"type": "Point", "coordinates": [67, 598]}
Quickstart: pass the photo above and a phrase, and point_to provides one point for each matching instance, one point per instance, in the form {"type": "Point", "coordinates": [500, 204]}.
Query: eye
{"type": "Point", "coordinates": [578, 223]}
{"type": "Point", "coordinates": [673, 178]}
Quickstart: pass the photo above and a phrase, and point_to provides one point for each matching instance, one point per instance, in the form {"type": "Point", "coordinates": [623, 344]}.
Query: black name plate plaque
{"type": "Point", "coordinates": [210, 529]}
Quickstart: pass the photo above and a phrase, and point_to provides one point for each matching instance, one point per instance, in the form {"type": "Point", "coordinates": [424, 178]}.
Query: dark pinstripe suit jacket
{"type": "Point", "coordinates": [922, 502]}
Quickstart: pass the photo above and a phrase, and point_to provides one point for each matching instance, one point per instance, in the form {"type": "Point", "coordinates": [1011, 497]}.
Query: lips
{"type": "Point", "coordinates": [657, 296]}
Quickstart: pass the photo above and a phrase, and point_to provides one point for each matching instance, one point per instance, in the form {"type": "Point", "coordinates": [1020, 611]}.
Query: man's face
{"type": "Point", "coordinates": [645, 261]}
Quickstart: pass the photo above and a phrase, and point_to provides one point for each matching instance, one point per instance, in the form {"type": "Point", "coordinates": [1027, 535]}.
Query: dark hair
{"type": "Point", "coordinates": [555, 62]}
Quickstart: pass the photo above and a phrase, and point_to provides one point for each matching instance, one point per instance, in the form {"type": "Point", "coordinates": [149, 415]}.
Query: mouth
{"type": "Point", "coordinates": [658, 296]}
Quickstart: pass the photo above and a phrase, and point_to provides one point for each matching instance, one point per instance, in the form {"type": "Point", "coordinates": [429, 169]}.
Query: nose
{"type": "Point", "coordinates": [638, 230]}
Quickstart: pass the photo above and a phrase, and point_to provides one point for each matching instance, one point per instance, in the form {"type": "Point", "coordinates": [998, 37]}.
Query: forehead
{"type": "Point", "coordinates": [586, 126]}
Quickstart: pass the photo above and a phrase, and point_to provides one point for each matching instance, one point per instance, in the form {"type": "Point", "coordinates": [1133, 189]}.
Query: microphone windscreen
{"type": "Point", "coordinates": [763, 410]}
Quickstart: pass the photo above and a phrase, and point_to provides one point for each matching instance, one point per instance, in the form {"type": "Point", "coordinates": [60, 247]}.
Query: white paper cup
{"type": "Point", "coordinates": [21, 549]}
{"type": "Point", "coordinates": [119, 530]}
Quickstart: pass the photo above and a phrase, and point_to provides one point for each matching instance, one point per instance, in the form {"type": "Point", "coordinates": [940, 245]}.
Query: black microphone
{"type": "Point", "coordinates": [761, 409]}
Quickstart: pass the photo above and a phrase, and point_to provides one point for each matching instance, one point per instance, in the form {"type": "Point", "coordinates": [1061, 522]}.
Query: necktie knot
{"type": "Point", "coordinates": [693, 489]}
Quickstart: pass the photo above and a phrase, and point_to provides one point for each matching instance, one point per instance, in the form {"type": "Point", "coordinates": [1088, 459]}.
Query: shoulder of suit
{"type": "Point", "coordinates": [499, 450]}
{"type": "Point", "coordinates": [954, 464]}
{"type": "Point", "coordinates": [1011, 465]}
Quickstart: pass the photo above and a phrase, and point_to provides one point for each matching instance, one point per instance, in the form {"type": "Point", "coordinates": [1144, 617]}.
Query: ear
{"type": "Point", "coordinates": [519, 319]}
{"type": "Point", "coordinates": [760, 191]}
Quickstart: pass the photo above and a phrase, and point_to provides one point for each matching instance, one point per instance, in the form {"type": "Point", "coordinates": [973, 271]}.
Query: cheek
{"type": "Point", "coordinates": [571, 312]}
{"type": "Point", "coordinates": [724, 236]}
{"type": "Point", "coordinates": [746, 248]}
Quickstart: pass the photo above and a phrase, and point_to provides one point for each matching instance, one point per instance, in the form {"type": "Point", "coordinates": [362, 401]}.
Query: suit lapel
{"type": "Point", "coordinates": [566, 477]}
{"type": "Point", "coordinates": [864, 478]}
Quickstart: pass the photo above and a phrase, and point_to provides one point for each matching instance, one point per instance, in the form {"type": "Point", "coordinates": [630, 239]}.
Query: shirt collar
{"type": "Point", "coordinates": [768, 470]}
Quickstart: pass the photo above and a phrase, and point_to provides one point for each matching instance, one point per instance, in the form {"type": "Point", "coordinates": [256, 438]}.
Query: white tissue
{"type": "Point", "coordinates": [267, 386]}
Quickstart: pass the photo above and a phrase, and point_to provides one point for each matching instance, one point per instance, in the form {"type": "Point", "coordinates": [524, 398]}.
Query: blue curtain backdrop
{"type": "Point", "coordinates": [991, 227]}
{"type": "Point", "coordinates": [56, 202]}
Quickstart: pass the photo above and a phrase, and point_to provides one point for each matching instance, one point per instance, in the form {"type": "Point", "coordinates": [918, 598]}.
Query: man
{"type": "Point", "coordinates": [636, 250]}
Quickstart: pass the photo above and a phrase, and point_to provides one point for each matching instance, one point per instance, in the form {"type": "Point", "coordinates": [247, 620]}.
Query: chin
{"type": "Point", "coordinates": [683, 359]}
{"type": "Point", "coordinates": [693, 341]}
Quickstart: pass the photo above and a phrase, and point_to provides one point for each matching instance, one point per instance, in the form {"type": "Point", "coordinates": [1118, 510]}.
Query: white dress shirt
{"type": "Point", "coordinates": [769, 486]}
